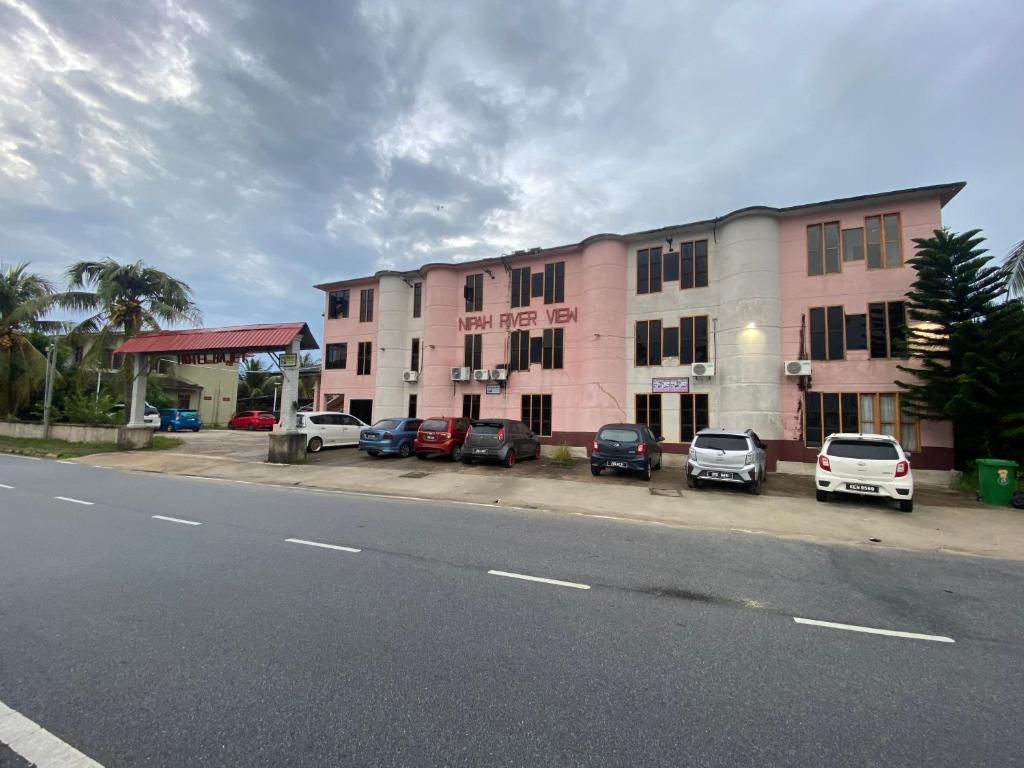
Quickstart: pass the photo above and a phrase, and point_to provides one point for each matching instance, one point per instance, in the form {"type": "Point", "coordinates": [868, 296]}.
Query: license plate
{"type": "Point", "coordinates": [429, 437]}
{"type": "Point", "coordinates": [861, 487]}
{"type": "Point", "coordinates": [480, 450]}
{"type": "Point", "coordinates": [618, 464]}
{"type": "Point", "coordinates": [718, 475]}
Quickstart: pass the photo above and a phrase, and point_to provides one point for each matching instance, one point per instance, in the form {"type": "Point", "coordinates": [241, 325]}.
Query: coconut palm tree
{"type": "Point", "coordinates": [1015, 270]}
{"type": "Point", "coordinates": [254, 379]}
{"type": "Point", "coordinates": [25, 298]}
{"type": "Point", "coordinates": [124, 300]}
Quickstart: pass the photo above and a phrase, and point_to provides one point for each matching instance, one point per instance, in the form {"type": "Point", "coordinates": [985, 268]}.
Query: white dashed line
{"type": "Point", "coordinates": [62, 461]}
{"type": "Point", "coordinates": [175, 520]}
{"type": "Point", "coordinates": [75, 501]}
{"type": "Point", "coordinates": [556, 582]}
{"type": "Point", "coordinates": [874, 630]}
{"type": "Point", "coordinates": [37, 745]}
{"type": "Point", "coordinates": [19, 456]}
{"type": "Point", "coordinates": [325, 546]}
{"type": "Point", "coordinates": [8, 487]}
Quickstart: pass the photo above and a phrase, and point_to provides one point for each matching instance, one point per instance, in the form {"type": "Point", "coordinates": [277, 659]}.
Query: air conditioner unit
{"type": "Point", "coordinates": [410, 376]}
{"type": "Point", "coordinates": [460, 374]}
{"type": "Point", "coordinates": [482, 374]}
{"type": "Point", "coordinates": [703, 369]}
{"type": "Point", "coordinates": [798, 367]}
{"type": "Point", "coordinates": [499, 374]}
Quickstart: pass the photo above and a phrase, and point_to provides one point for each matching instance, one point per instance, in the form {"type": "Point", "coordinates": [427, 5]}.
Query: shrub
{"type": "Point", "coordinates": [563, 455]}
{"type": "Point", "coordinates": [88, 409]}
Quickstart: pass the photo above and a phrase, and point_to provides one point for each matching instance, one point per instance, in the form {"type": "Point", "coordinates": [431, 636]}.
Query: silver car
{"type": "Point", "coordinates": [727, 456]}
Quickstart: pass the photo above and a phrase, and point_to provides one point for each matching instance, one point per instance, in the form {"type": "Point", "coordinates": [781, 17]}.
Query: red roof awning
{"type": "Point", "coordinates": [240, 338]}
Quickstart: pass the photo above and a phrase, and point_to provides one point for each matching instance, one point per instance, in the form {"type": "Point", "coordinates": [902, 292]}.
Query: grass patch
{"type": "Point", "coordinates": [562, 455]}
{"type": "Point", "coordinates": [59, 449]}
{"type": "Point", "coordinates": [162, 443]}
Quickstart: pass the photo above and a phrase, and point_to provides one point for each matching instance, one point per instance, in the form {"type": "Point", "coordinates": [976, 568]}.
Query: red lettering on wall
{"type": "Point", "coordinates": [523, 319]}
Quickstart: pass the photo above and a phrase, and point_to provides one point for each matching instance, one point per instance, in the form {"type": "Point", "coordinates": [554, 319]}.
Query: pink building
{"type": "Point", "coordinates": [786, 320]}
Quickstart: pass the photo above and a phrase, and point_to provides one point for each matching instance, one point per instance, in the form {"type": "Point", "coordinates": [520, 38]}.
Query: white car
{"type": "Point", "coordinates": [327, 428]}
{"type": "Point", "coordinates": [865, 465]}
{"type": "Point", "coordinates": [151, 415]}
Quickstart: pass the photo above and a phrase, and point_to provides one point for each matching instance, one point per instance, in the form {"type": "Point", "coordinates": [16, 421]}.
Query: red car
{"type": "Point", "coordinates": [252, 420]}
{"type": "Point", "coordinates": [441, 436]}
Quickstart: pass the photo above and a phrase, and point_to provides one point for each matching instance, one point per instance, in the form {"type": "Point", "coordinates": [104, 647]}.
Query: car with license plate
{"type": "Point", "coordinates": [326, 429]}
{"type": "Point", "coordinates": [441, 436]}
{"type": "Point", "coordinates": [390, 437]}
{"type": "Point", "coordinates": [721, 455]}
{"type": "Point", "coordinates": [252, 420]}
{"type": "Point", "coordinates": [501, 440]}
{"type": "Point", "coordinates": [629, 447]}
{"type": "Point", "coordinates": [180, 420]}
{"type": "Point", "coordinates": [864, 465]}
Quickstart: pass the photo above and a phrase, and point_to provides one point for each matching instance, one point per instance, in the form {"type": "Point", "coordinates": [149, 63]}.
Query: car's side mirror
{"type": "Point", "coordinates": [660, 438]}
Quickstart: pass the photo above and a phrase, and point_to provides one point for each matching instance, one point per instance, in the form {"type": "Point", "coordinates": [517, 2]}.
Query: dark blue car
{"type": "Point", "coordinates": [389, 437]}
{"type": "Point", "coordinates": [175, 419]}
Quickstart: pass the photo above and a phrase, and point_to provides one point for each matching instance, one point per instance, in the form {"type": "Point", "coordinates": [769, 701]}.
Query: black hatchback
{"type": "Point", "coordinates": [632, 447]}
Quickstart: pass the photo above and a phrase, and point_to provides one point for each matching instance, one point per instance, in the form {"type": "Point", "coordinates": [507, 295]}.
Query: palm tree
{"type": "Point", "coordinates": [125, 299]}
{"type": "Point", "coordinates": [25, 298]}
{"type": "Point", "coordinates": [254, 379]}
{"type": "Point", "coordinates": [1015, 270]}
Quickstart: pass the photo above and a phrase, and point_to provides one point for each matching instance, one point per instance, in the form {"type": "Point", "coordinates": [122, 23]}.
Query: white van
{"type": "Point", "coordinates": [328, 428]}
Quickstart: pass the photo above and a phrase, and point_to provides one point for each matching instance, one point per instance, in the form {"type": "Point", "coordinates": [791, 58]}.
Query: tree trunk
{"type": "Point", "coordinates": [129, 367]}
{"type": "Point", "coordinates": [10, 382]}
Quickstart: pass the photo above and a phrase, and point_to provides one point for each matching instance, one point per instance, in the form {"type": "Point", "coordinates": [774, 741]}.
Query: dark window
{"type": "Point", "coordinates": [473, 348]}
{"type": "Point", "coordinates": [856, 332]}
{"type": "Point", "coordinates": [412, 408]}
{"type": "Point", "coordinates": [537, 285]}
{"type": "Point", "coordinates": [823, 255]}
{"type": "Point", "coordinates": [553, 340]}
{"type": "Point", "coordinates": [337, 356]}
{"type": "Point", "coordinates": [670, 267]}
{"type": "Point", "coordinates": [834, 316]}
{"type": "Point", "coordinates": [535, 413]}
{"type": "Point", "coordinates": [366, 305]}
{"type": "Point", "coordinates": [848, 412]}
{"type": "Point", "coordinates": [471, 406]}
{"type": "Point", "coordinates": [554, 282]}
{"type": "Point", "coordinates": [722, 442]}
{"type": "Point", "coordinates": [337, 304]}
{"type": "Point", "coordinates": [876, 318]}
{"type": "Point", "coordinates": [830, 412]}
{"type": "Point", "coordinates": [648, 343]}
{"type": "Point", "coordinates": [648, 412]}
{"type": "Point", "coordinates": [670, 341]}
{"type": "Point", "coordinates": [364, 354]}
{"type": "Point", "coordinates": [519, 351]}
{"type": "Point", "coordinates": [813, 419]}
{"type": "Point", "coordinates": [474, 292]}
{"type": "Point", "coordinates": [686, 265]}
{"type": "Point", "coordinates": [897, 317]}
{"type": "Point", "coordinates": [643, 271]}
{"type": "Point", "coordinates": [701, 347]}
{"type": "Point", "coordinates": [434, 425]}
{"type": "Point", "coordinates": [819, 350]}
{"type": "Point", "coordinates": [832, 256]}
{"type": "Point", "coordinates": [686, 340]}
{"type": "Point", "coordinates": [700, 264]}
{"type": "Point", "coordinates": [693, 415]}
{"type": "Point", "coordinates": [536, 350]}
{"type": "Point", "coordinates": [655, 283]}
{"type": "Point", "coordinates": [559, 347]}
{"type": "Point", "coordinates": [826, 331]}
{"type": "Point", "coordinates": [414, 358]}
{"type": "Point", "coordinates": [853, 244]}
{"type": "Point", "coordinates": [814, 261]}
{"type": "Point", "coordinates": [888, 329]}
{"type": "Point", "coordinates": [559, 282]}
{"type": "Point", "coordinates": [361, 410]}
{"type": "Point", "coordinates": [417, 299]}
{"type": "Point", "coordinates": [619, 435]}
{"type": "Point", "coordinates": [521, 287]}
{"type": "Point", "coordinates": [871, 450]}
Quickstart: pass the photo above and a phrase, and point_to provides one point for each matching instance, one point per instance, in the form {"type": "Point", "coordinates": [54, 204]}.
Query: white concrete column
{"type": "Point", "coordinates": [290, 389]}
{"type": "Point", "coordinates": [140, 374]}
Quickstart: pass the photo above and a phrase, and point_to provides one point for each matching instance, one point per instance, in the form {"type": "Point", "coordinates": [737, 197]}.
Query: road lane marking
{"type": "Point", "coordinates": [8, 487]}
{"type": "Point", "coordinates": [325, 546]}
{"type": "Point", "coordinates": [19, 456]}
{"type": "Point", "coordinates": [76, 501]}
{"type": "Point", "coordinates": [37, 745]}
{"type": "Point", "coordinates": [62, 461]}
{"type": "Point", "coordinates": [874, 630]}
{"type": "Point", "coordinates": [524, 577]}
{"type": "Point", "coordinates": [175, 520]}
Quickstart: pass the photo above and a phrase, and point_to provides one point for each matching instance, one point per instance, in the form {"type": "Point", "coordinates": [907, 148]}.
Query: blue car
{"type": "Point", "coordinates": [389, 437]}
{"type": "Point", "coordinates": [175, 419]}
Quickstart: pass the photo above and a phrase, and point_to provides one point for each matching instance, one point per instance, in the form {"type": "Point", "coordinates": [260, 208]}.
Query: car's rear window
{"type": "Point", "coordinates": [862, 449]}
{"type": "Point", "coordinates": [387, 424]}
{"type": "Point", "coordinates": [722, 442]}
{"type": "Point", "coordinates": [619, 435]}
{"type": "Point", "coordinates": [186, 411]}
{"type": "Point", "coordinates": [434, 425]}
{"type": "Point", "coordinates": [268, 416]}
{"type": "Point", "coordinates": [487, 427]}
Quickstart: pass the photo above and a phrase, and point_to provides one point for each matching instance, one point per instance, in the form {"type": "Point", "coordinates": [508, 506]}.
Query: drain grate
{"type": "Point", "coordinates": [672, 492]}
{"type": "Point", "coordinates": [415, 475]}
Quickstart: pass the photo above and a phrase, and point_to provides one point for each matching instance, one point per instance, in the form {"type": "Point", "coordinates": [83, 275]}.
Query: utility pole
{"type": "Point", "coordinates": [51, 357]}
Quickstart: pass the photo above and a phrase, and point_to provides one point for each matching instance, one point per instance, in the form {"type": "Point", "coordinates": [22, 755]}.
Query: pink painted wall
{"type": "Point", "coordinates": [349, 330]}
{"type": "Point", "coordinates": [855, 287]}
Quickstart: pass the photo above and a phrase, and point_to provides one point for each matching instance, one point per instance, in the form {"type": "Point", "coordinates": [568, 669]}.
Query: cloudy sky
{"type": "Point", "coordinates": [254, 148]}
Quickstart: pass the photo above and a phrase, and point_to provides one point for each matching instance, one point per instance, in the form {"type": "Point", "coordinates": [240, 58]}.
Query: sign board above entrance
{"type": "Point", "coordinates": [671, 384]}
{"type": "Point", "coordinates": [211, 358]}
{"type": "Point", "coordinates": [527, 318]}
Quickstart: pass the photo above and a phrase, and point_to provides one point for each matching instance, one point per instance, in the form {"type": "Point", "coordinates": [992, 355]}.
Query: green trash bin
{"type": "Point", "coordinates": [997, 479]}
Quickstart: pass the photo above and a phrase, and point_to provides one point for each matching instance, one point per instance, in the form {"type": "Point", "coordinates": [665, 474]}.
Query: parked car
{"type": "Point", "coordinates": [392, 437]}
{"type": "Point", "coordinates": [441, 436]}
{"type": "Point", "coordinates": [632, 447]}
{"type": "Point", "coordinates": [252, 420]}
{"type": "Point", "coordinates": [727, 456]}
{"type": "Point", "coordinates": [175, 419]}
{"type": "Point", "coordinates": [151, 414]}
{"type": "Point", "coordinates": [328, 428]}
{"type": "Point", "coordinates": [504, 440]}
{"type": "Point", "coordinates": [864, 465]}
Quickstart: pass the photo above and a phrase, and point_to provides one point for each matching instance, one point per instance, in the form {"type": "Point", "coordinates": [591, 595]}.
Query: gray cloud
{"type": "Point", "coordinates": [254, 148]}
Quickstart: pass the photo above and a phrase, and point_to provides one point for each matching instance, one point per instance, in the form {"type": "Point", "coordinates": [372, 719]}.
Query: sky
{"type": "Point", "coordinates": [253, 149]}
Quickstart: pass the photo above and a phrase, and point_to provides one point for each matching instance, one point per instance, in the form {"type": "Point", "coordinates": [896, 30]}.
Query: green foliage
{"type": "Point", "coordinates": [967, 346]}
{"type": "Point", "coordinates": [88, 409]}
{"type": "Point", "coordinates": [563, 455]}
{"type": "Point", "coordinates": [1015, 270]}
{"type": "Point", "coordinates": [156, 396]}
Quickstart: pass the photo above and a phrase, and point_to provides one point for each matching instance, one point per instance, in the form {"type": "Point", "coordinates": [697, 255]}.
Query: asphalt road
{"type": "Point", "coordinates": [150, 642]}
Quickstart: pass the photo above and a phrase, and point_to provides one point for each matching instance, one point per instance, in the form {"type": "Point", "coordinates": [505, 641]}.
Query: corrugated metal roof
{"type": "Point", "coordinates": [239, 338]}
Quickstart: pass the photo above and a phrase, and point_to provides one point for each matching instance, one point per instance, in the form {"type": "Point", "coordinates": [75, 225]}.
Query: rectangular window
{"type": "Point", "coordinates": [908, 430]}
{"type": "Point", "coordinates": [693, 416]}
{"type": "Point", "coordinates": [686, 265]}
{"type": "Point", "coordinates": [849, 415]}
{"type": "Point", "coordinates": [474, 292]}
{"type": "Point", "coordinates": [888, 329]}
{"type": "Point", "coordinates": [700, 264]}
{"type": "Point", "coordinates": [873, 235]}
{"type": "Point", "coordinates": [366, 305]}
{"type": "Point", "coordinates": [472, 348]}
{"type": "Point", "coordinates": [554, 283]}
{"type": "Point", "coordinates": [417, 299]}
{"type": "Point", "coordinates": [832, 257]}
{"type": "Point", "coordinates": [891, 230]}
{"type": "Point", "coordinates": [412, 406]}
{"type": "Point", "coordinates": [535, 413]}
{"type": "Point", "coordinates": [819, 341]}
{"type": "Point", "coordinates": [414, 358]}
{"type": "Point", "coordinates": [670, 267]}
{"type": "Point", "coordinates": [552, 347]}
{"type": "Point", "coordinates": [337, 356]}
{"type": "Point", "coordinates": [519, 351]}
{"type": "Point", "coordinates": [887, 415]}
{"type": "Point", "coordinates": [670, 341]}
{"type": "Point", "coordinates": [648, 342]}
{"type": "Point", "coordinates": [655, 270]}
{"type": "Point", "coordinates": [537, 285]}
{"type": "Point", "coordinates": [536, 350]}
{"type": "Point", "coordinates": [856, 332]}
{"type": "Point", "coordinates": [643, 271]}
{"type": "Point", "coordinates": [853, 244]}
{"type": "Point", "coordinates": [471, 407]}
{"type": "Point", "coordinates": [685, 340]}
{"type": "Point", "coordinates": [701, 346]}
{"type": "Point", "coordinates": [834, 317]}
{"type": "Point", "coordinates": [521, 287]}
{"type": "Point", "coordinates": [814, 260]}
{"type": "Point", "coordinates": [829, 412]}
{"type": "Point", "coordinates": [812, 415]}
{"type": "Point", "coordinates": [823, 255]}
{"type": "Point", "coordinates": [648, 411]}
{"type": "Point", "coordinates": [364, 354]}
{"type": "Point", "coordinates": [337, 304]}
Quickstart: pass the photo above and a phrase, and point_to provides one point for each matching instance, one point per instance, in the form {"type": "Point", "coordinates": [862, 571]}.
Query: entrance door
{"type": "Point", "coordinates": [362, 410]}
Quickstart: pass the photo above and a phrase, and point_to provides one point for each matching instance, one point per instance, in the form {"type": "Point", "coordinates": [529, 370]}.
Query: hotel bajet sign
{"type": "Point", "coordinates": [527, 318]}
{"type": "Point", "coordinates": [674, 384]}
{"type": "Point", "coordinates": [211, 358]}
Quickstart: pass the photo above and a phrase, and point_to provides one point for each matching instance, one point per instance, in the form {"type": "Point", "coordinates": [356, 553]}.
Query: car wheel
{"type": "Point", "coordinates": [421, 455]}
{"type": "Point", "coordinates": [822, 495]}
{"type": "Point", "coordinates": [404, 450]}
{"type": "Point", "coordinates": [536, 454]}
{"type": "Point", "coordinates": [764, 475]}
{"type": "Point", "coordinates": [467, 462]}
{"type": "Point", "coordinates": [231, 426]}
{"type": "Point", "coordinates": [315, 445]}
{"type": "Point", "coordinates": [595, 471]}
{"type": "Point", "coordinates": [907, 506]}
{"type": "Point", "coordinates": [691, 481]}
{"type": "Point", "coordinates": [373, 453]}
{"type": "Point", "coordinates": [755, 485]}
{"type": "Point", "coordinates": [457, 453]}
{"type": "Point", "coordinates": [658, 466]}
{"type": "Point", "coordinates": [196, 429]}
{"type": "Point", "coordinates": [646, 472]}
{"type": "Point", "coordinates": [510, 459]}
